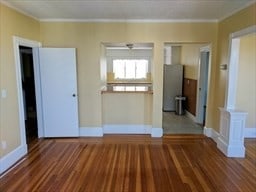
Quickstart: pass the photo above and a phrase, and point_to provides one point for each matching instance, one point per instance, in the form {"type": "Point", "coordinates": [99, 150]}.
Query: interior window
{"type": "Point", "coordinates": [130, 68]}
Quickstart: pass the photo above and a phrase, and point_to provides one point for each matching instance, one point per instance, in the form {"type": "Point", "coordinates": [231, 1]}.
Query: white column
{"type": "Point", "coordinates": [232, 120]}
{"type": "Point", "coordinates": [230, 100]}
{"type": "Point", "coordinates": [231, 138]}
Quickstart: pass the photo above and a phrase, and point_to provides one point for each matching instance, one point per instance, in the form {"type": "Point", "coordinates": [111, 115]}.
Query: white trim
{"type": "Point", "coordinates": [39, 105]}
{"type": "Point", "coordinates": [210, 132]}
{"type": "Point", "coordinates": [237, 10]}
{"type": "Point", "coordinates": [206, 48]}
{"type": "Point", "coordinates": [234, 45]}
{"type": "Point", "coordinates": [90, 132]}
{"type": "Point", "coordinates": [244, 32]}
{"type": "Point", "coordinates": [17, 41]}
{"type": "Point", "coordinates": [120, 129]}
{"type": "Point", "coordinates": [230, 100]}
{"type": "Point", "coordinates": [190, 115]}
{"type": "Point", "coordinates": [207, 132]}
{"type": "Point", "coordinates": [232, 126]}
{"type": "Point", "coordinates": [17, 9]}
{"type": "Point", "coordinates": [199, 115]}
{"type": "Point", "coordinates": [156, 132]}
{"type": "Point", "coordinates": [230, 150]}
{"type": "Point", "coordinates": [126, 129]}
{"type": "Point", "coordinates": [250, 132]}
{"type": "Point", "coordinates": [131, 20]}
{"type": "Point", "coordinates": [11, 158]}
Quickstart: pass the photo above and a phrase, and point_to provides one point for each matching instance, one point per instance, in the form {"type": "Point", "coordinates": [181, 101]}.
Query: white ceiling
{"type": "Point", "coordinates": [125, 10]}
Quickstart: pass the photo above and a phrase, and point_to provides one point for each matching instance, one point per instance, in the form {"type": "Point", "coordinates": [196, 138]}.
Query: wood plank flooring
{"type": "Point", "coordinates": [131, 163]}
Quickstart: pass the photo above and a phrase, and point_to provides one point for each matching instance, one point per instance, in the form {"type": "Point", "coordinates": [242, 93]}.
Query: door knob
{"type": "Point", "coordinates": [74, 95]}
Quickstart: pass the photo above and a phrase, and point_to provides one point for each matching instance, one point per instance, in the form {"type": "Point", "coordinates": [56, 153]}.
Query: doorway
{"type": "Point", "coordinates": [195, 59]}
{"type": "Point", "coordinates": [203, 85]}
{"type": "Point", "coordinates": [28, 47]}
{"type": "Point", "coordinates": [29, 96]}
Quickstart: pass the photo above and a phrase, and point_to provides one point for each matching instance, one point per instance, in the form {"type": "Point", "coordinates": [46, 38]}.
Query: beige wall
{"type": "Point", "coordinates": [87, 38]}
{"type": "Point", "coordinates": [237, 22]}
{"type": "Point", "coordinates": [190, 55]}
{"type": "Point", "coordinates": [12, 23]}
{"type": "Point", "coordinates": [127, 108]}
{"type": "Point", "coordinates": [246, 87]}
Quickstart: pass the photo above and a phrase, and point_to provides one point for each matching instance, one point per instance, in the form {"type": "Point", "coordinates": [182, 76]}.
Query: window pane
{"type": "Point", "coordinates": [141, 68]}
{"type": "Point", "coordinates": [118, 88]}
{"type": "Point", "coordinates": [141, 88]}
{"type": "Point", "coordinates": [130, 88]}
{"type": "Point", "coordinates": [118, 69]}
{"type": "Point", "coordinates": [130, 69]}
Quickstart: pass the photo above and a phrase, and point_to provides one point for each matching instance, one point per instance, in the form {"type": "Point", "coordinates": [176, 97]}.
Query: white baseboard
{"type": "Point", "coordinates": [90, 132]}
{"type": "Point", "coordinates": [126, 129]}
{"type": "Point", "coordinates": [230, 150]}
{"type": "Point", "coordinates": [210, 132]}
{"type": "Point", "coordinates": [120, 129]}
{"type": "Point", "coordinates": [146, 129]}
{"type": "Point", "coordinates": [156, 132]}
{"type": "Point", "coordinates": [190, 116]}
{"type": "Point", "coordinates": [11, 158]}
{"type": "Point", "coordinates": [207, 132]}
{"type": "Point", "coordinates": [250, 133]}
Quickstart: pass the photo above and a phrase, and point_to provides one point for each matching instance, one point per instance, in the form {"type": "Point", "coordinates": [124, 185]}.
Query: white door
{"type": "Point", "coordinates": [59, 92]}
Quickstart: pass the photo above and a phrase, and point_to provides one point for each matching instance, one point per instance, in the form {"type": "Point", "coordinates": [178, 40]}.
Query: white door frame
{"type": "Point", "coordinates": [17, 41]}
{"type": "Point", "coordinates": [199, 115]}
{"type": "Point", "coordinates": [234, 49]}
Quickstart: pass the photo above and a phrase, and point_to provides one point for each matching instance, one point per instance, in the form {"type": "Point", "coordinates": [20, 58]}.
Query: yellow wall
{"type": "Point", "coordinates": [246, 88]}
{"type": "Point", "coordinates": [190, 55]}
{"type": "Point", "coordinates": [87, 38]}
{"type": "Point", "coordinates": [12, 23]}
{"type": "Point", "coordinates": [127, 108]}
{"type": "Point", "coordinates": [237, 22]}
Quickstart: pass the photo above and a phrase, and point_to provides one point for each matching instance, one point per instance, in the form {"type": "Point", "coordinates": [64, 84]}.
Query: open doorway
{"type": "Point", "coordinates": [203, 85]}
{"type": "Point", "coordinates": [239, 95]}
{"type": "Point", "coordinates": [195, 60]}
{"type": "Point", "coordinates": [28, 90]}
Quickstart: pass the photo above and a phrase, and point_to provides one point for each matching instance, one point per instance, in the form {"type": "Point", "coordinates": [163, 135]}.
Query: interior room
{"type": "Point", "coordinates": [186, 74]}
{"type": "Point", "coordinates": [86, 102]}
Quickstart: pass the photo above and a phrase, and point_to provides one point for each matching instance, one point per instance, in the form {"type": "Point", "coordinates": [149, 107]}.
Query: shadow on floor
{"type": "Point", "coordinates": [180, 124]}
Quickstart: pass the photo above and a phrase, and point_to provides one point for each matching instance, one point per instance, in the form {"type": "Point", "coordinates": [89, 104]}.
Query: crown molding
{"type": "Point", "coordinates": [237, 10]}
{"type": "Point", "coordinates": [4, 2]}
{"type": "Point", "coordinates": [131, 20]}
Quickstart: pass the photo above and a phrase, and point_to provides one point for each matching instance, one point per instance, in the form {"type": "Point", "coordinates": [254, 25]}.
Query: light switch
{"type": "Point", "coordinates": [3, 93]}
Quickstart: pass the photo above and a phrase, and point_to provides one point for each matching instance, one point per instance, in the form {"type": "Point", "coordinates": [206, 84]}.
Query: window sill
{"type": "Point", "coordinates": [129, 82]}
{"type": "Point", "coordinates": [128, 88]}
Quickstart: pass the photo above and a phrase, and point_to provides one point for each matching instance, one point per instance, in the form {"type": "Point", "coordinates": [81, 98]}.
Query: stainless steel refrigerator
{"type": "Point", "coordinates": [173, 76]}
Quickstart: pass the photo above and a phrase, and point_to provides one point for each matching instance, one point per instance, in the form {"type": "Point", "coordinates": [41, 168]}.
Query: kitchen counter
{"type": "Point", "coordinates": [127, 88]}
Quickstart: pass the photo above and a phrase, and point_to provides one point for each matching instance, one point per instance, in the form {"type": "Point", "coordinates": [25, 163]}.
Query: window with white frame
{"type": "Point", "coordinates": [130, 68]}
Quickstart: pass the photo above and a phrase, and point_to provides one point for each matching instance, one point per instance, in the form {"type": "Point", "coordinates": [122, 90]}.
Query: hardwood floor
{"type": "Point", "coordinates": [119, 163]}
